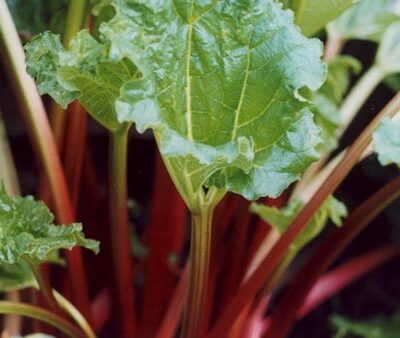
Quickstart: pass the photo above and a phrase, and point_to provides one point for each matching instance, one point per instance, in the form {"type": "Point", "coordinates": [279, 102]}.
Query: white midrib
{"type": "Point", "coordinates": [239, 107]}
{"type": "Point", "coordinates": [188, 85]}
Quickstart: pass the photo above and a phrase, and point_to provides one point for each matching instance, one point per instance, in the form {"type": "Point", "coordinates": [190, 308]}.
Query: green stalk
{"type": "Point", "coordinates": [120, 235]}
{"type": "Point", "coordinates": [199, 261]}
{"type": "Point", "coordinates": [45, 287]}
{"type": "Point", "coordinates": [58, 302]}
{"type": "Point", "coordinates": [199, 266]}
{"type": "Point", "coordinates": [45, 316]}
{"type": "Point", "coordinates": [7, 166]}
{"type": "Point", "coordinates": [69, 308]}
{"type": "Point", "coordinates": [43, 140]}
{"type": "Point", "coordinates": [358, 95]}
{"type": "Point", "coordinates": [333, 45]}
{"type": "Point", "coordinates": [75, 17]}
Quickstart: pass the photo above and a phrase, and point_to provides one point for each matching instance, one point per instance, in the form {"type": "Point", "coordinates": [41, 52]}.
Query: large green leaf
{"type": "Point", "coordinates": [16, 276]}
{"type": "Point", "coordinates": [367, 20]}
{"type": "Point", "coordinates": [328, 98]}
{"type": "Point", "coordinates": [82, 72]}
{"type": "Point", "coordinates": [280, 219]}
{"type": "Point", "coordinates": [218, 82]}
{"type": "Point", "coordinates": [220, 88]}
{"type": "Point", "coordinates": [387, 141]}
{"type": "Point", "coordinates": [36, 16]}
{"type": "Point", "coordinates": [379, 327]}
{"type": "Point", "coordinates": [313, 15]}
{"type": "Point", "coordinates": [27, 231]}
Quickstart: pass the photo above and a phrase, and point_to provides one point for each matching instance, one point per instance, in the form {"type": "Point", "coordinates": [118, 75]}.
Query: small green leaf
{"type": "Point", "coordinates": [387, 141]}
{"type": "Point", "coordinates": [379, 327]}
{"type": "Point", "coordinates": [16, 276]}
{"type": "Point", "coordinates": [367, 20]}
{"type": "Point", "coordinates": [280, 219]}
{"type": "Point", "coordinates": [36, 16]}
{"type": "Point", "coordinates": [328, 98]}
{"type": "Point", "coordinates": [82, 72]}
{"type": "Point", "coordinates": [27, 231]}
{"type": "Point", "coordinates": [313, 15]}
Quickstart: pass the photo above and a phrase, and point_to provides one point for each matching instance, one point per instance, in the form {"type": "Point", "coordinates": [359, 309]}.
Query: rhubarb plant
{"type": "Point", "coordinates": [240, 104]}
{"type": "Point", "coordinates": [201, 98]}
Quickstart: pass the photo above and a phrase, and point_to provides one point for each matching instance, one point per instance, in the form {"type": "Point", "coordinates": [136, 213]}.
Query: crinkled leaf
{"type": "Point", "coordinates": [366, 20]}
{"type": "Point", "coordinates": [36, 16]}
{"type": "Point", "coordinates": [387, 141]}
{"type": "Point", "coordinates": [220, 87]}
{"type": "Point", "coordinates": [16, 276]}
{"type": "Point", "coordinates": [27, 231]}
{"type": "Point", "coordinates": [379, 327]}
{"type": "Point", "coordinates": [313, 15]}
{"type": "Point", "coordinates": [83, 72]}
{"type": "Point", "coordinates": [328, 98]}
{"type": "Point", "coordinates": [388, 55]}
{"type": "Point", "coordinates": [280, 219]}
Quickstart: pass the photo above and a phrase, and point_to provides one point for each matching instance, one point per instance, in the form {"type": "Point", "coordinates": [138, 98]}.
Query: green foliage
{"type": "Point", "coordinates": [313, 15]}
{"type": "Point", "coordinates": [218, 83]}
{"type": "Point", "coordinates": [83, 72]}
{"type": "Point", "coordinates": [16, 276]}
{"type": "Point", "coordinates": [27, 232]}
{"type": "Point", "coordinates": [379, 327]}
{"type": "Point", "coordinates": [280, 219]}
{"type": "Point", "coordinates": [328, 98]}
{"type": "Point", "coordinates": [367, 20]}
{"type": "Point", "coordinates": [36, 16]}
{"type": "Point", "coordinates": [387, 141]}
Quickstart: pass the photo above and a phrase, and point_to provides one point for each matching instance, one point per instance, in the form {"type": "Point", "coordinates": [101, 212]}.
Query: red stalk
{"type": "Point", "coordinates": [336, 280]}
{"type": "Point", "coordinates": [165, 236]}
{"type": "Point", "coordinates": [328, 251]}
{"type": "Point", "coordinates": [172, 317]}
{"type": "Point", "coordinates": [75, 149]}
{"type": "Point", "coordinates": [237, 245]}
{"type": "Point", "coordinates": [44, 145]}
{"type": "Point", "coordinates": [101, 309]}
{"type": "Point", "coordinates": [218, 257]}
{"type": "Point", "coordinates": [271, 261]}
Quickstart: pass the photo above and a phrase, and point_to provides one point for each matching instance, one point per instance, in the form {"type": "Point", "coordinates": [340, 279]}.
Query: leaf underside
{"type": "Point", "coordinates": [366, 20]}
{"type": "Point", "coordinates": [280, 219]}
{"type": "Point", "coordinates": [387, 141]}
